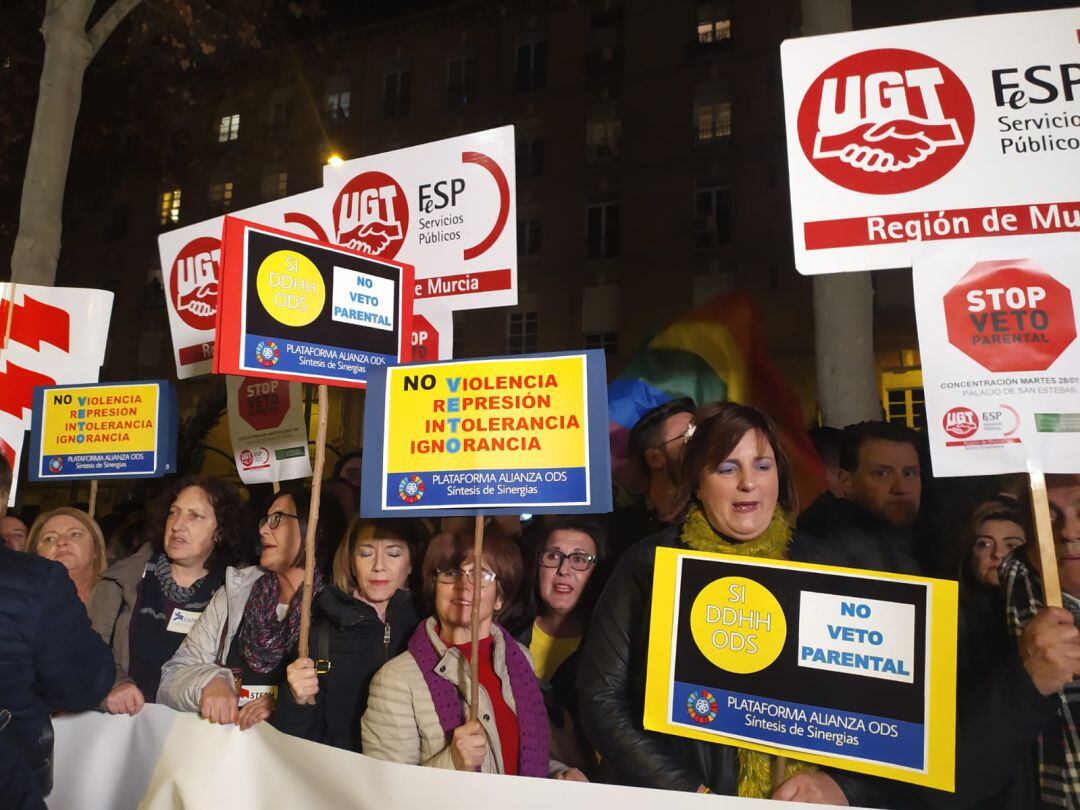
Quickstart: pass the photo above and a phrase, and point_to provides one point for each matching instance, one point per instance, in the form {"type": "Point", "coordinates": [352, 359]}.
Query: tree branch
{"type": "Point", "coordinates": [108, 22]}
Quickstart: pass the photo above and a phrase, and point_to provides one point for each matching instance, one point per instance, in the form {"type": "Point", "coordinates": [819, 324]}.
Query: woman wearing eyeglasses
{"type": "Point", "coordinates": [145, 604]}
{"type": "Point", "coordinates": [418, 703]}
{"type": "Point", "coordinates": [233, 660]}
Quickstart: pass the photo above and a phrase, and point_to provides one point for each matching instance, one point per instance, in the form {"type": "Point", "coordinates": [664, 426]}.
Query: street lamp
{"type": "Point", "coordinates": [335, 160]}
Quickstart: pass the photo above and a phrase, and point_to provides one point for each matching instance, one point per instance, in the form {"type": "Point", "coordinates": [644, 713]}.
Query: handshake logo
{"type": "Point", "coordinates": [193, 283]}
{"type": "Point", "coordinates": [371, 214]}
{"type": "Point", "coordinates": [886, 121]}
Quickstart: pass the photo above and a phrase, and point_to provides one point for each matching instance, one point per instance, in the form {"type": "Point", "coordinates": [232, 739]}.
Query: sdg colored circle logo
{"type": "Point", "coordinates": [56, 464]}
{"type": "Point", "coordinates": [411, 488]}
{"type": "Point", "coordinates": [738, 625]}
{"type": "Point", "coordinates": [701, 706]}
{"type": "Point", "coordinates": [291, 288]}
{"type": "Point", "coordinates": [267, 353]}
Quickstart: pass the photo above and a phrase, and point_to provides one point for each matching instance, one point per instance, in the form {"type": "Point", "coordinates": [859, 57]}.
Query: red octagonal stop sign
{"type": "Point", "coordinates": [1010, 316]}
{"type": "Point", "coordinates": [425, 340]}
{"type": "Point", "coordinates": [263, 403]}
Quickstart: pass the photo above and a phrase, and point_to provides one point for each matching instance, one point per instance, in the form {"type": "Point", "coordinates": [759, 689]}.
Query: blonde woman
{"type": "Point", "coordinates": [72, 538]}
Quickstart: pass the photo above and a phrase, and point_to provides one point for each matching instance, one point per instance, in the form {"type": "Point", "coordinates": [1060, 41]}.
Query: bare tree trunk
{"type": "Point", "coordinates": [843, 302]}
{"type": "Point", "coordinates": [69, 48]}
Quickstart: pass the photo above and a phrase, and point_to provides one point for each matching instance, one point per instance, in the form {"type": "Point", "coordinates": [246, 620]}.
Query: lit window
{"type": "Point", "coordinates": [531, 65]}
{"type": "Point", "coordinates": [714, 23]}
{"type": "Point", "coordinates": [903, 398]}
{"type": "Point", "coordinates": [338, 105]}
{"type": "Point", "coordinates": [170, 206]}
{"type": "Point", "coordinates": [713, 215]}
{"type": "Point", "coordinates": [522, 332]}
{"type": "Point", "coordinates": [603, 136]}
{"type": "Point", "coordinates": [602, 231]}
{"type": "Point", "coordinates": [228, 128]}
{"type": "Point", "coordinates": [713, 120]}
{"type": "Point", "coordinates": [397, 93]}
{"type": "Point", "coordinates": [221, 195]}
{"type": "Point", "coordinates": [274, 185]}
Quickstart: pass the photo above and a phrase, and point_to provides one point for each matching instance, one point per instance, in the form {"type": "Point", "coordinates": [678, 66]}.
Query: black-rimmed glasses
{"type": "Point", "coordinates": [579, 560]}
{"type": "Point", "coordinates": [273, 520]}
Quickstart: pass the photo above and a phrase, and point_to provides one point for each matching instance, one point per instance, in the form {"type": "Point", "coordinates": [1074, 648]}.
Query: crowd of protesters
{"type": "Point", "coordinates": [202, 613]}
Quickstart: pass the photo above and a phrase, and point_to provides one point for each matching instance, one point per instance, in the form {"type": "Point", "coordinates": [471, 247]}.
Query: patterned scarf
{"type": "Point", "coordinates": [1059, 752]}
{"type": "Point", "coordinates": [755, 767]}
{"type": "Point", "coordinates": [160, 567]}
{"type": "Point", "coordinates": [264, 640]}
{"type": "Point", "coordinates": [533, 731]}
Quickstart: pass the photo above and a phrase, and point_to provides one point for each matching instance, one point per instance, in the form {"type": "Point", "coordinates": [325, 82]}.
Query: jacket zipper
{"type": "Point", "coordinates": [386, 642]}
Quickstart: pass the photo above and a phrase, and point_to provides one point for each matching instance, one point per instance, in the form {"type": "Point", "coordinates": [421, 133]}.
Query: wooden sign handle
{"type": "Point", "coordinates": [1044, 533]}
{"type": "Point", "coordinates": [313, 523]}
{"type": "Point", "coordinates": [92, 508]}
{"type": "Point", "coordinates": [779, 771]}
{"type": "Point", "coordinates": [474, 652]}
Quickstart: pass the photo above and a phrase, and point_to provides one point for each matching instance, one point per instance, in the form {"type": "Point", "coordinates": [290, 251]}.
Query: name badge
{"type": "Point", "coordinates": [254, 692]}
{"type": "Point", "coordinates": [182, 621]}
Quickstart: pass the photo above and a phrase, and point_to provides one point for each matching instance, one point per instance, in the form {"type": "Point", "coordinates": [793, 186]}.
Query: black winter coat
{"type": "Point", "coordinates": [611, 689]}
{"type": "Point", "coordinates": [836, 531]}
{"type": "Point", "coordinates": [359, 644]}
{"type": "Point", "coordinates": [50, 659]}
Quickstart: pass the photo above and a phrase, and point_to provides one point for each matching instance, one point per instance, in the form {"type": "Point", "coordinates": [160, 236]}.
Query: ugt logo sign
{"type": "Point", "coordinates": [886, 121]}
{"type": "Point", "coordinates": [193, 285]}
{"type": "Point", "coordinates": [371, 214]}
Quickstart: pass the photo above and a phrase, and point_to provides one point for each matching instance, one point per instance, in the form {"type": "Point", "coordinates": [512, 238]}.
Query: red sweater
{"type": "Point", "coordinates": [505, 720]}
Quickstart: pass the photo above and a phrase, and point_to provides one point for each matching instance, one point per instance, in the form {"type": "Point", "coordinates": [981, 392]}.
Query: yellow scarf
{"type": "Point", "coordinates": [755, 767]}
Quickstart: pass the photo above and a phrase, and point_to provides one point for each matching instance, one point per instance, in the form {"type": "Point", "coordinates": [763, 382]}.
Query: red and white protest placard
{"type": "Point", "coordinates": [948, 130]}
{"type": "Point", "coordinates": [1000, 354]}
{"type": "Point", "coordinates": [48, 336]}
{"type": "Point", "coordinates": [267, 428]}
{"type": "Point", "coordinates": [191, 271]}
{"type": "Point", "coordinates": [447, 208]}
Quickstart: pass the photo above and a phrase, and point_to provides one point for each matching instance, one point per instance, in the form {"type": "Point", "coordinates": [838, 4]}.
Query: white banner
{"type": "Point", "coordinates": [1000, 354]}
{"type": "Point", "coordinates": [266, 425]}
{"type": "Point", "coordinates": [938, 131]}
{"type": "Point", "coordinates": [51, 336]}
{"type": "Point", "coordinates": [163, 760]}
{"type": "Point", "coordinates": [191, 267]}
{"type": "Point", "coordinates": [447, 207]}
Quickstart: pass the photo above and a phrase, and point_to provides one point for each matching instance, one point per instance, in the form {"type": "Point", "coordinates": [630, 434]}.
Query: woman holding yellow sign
{"type": "Point", "coordinates": [735, 492]}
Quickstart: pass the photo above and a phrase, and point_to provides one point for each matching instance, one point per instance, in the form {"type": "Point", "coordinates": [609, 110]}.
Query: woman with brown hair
{"type": "Point", "coordinates": [362, 619]}
{"type": "Point", "coordinates": [72, 538]}
{"type": "Point", "coordinates": [735, 493]}
{"type": "Point", "coordinates": [232, 661]}
{"type": "Point", "coordinates": [145, 604]}
{"type": "Point", "coordinates": [418, 702]}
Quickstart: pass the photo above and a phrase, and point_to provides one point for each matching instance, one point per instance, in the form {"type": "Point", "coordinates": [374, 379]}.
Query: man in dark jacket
{"type": "Point", "coordinates": [50, 659]}
{"type": "Point", "coordinates": [874, 525]}
{"type": "Point", "coordinates": [656, 443]}
{"type": "Point", "coordinates": [1001, 705]}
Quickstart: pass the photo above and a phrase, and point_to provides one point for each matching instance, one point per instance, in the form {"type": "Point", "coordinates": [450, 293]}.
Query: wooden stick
{"type": "Point", "coordinates": [779, 771]}
{"type": "Point", "coordinates": [474, 652]}
{"type": "Point", "coordinates": [277, 486]}
{"type": "Point", "coordinates": [93, 498]}
{"type": "Point", "coordinates": [10, 314]}
{"type": "Point", "coordinates": [1044, 533]}
{"type": "Point", "coordinates": [313, 523]}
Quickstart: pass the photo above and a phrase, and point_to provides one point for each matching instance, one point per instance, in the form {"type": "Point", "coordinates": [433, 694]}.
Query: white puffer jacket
{"type": "Point", "coordinates": [186, 674]}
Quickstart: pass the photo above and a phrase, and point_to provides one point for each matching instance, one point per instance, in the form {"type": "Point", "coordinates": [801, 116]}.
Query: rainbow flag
{"type": "Point", "coordinates": [715, 352]}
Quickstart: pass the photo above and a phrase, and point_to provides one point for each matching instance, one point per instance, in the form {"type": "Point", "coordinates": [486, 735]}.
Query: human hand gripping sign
{"type": "Point", "coordinates": [303, 681]}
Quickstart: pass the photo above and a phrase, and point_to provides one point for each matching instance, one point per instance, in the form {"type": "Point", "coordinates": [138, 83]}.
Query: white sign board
{"type": "Point", "coordinates": [266, 425]}
{"type": "Point", "coordinates": [191, 267]}
{"type": "Point", "coordinates": [51, 336]}
{"type": "Point", "coordinates": [1000, 354]}
{"type": "Point", "coordinates": [447, 208]}
{"type": "Point", "coordinates": [948, 130]}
